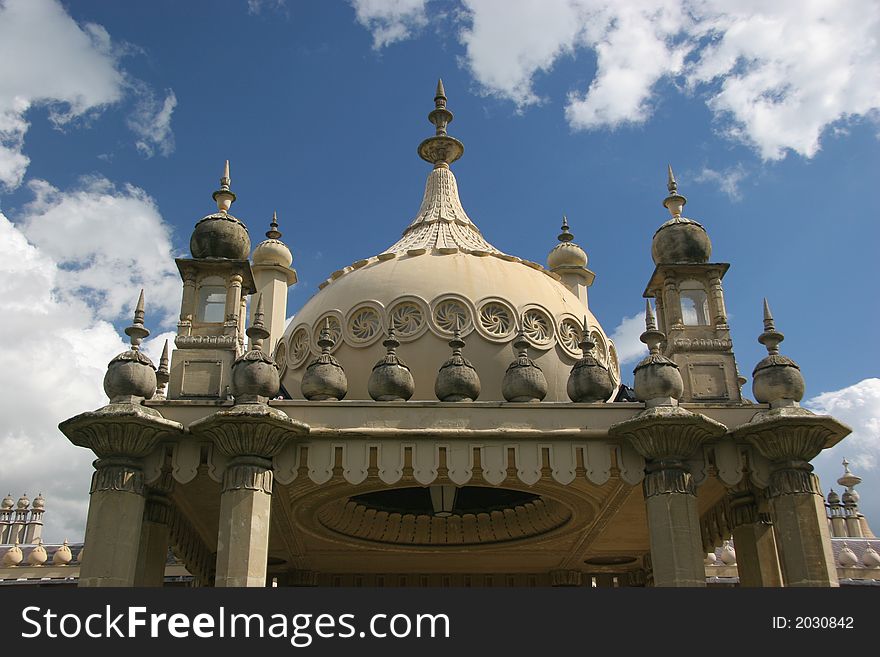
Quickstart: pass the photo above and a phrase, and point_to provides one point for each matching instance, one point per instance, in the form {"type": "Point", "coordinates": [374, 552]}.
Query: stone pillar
{"type": "Point", "coordinates": [233, 300]}
{"type": "Point", "coordinates": [249, 434]}
{"type": "Point", "coordinates": [243, 539]}
{"type": "Point", "coordinates": [188, 303]}
{"type": "Point", "coordinates": [672, 304]}
{"type": "Point", "coordinates": [121, 434]}
{"type": "Point", "coordinates": [155, 536]}
{"type": "Point", "coordinates": [666, 436]}
{"type": "Point", "coordinates": [790, 437]}
{"type": "Point", "coordinates": [756, 558]}
{"type": "Point", "coordinates": [113, 527]}
{"type": "Point", "coordinates": [717, 297]}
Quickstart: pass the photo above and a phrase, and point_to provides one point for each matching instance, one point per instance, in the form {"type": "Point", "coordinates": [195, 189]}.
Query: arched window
{"type": "Point", "coordinates": [212, 303]}
{"type": "Point", "coordinates": [694, 303]}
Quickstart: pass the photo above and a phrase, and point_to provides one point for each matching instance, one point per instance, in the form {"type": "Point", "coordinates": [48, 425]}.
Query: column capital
{"type": "Point", "coordinates": [791, 433]}
{"type": "Point", "coordinates": [249, 430]}
{"type": "Point", "coordinates": [117, 474]}
{"type": "Point", "coordinates": [120, 430]}
{"type": "Point", "coordinates": [666, 433]}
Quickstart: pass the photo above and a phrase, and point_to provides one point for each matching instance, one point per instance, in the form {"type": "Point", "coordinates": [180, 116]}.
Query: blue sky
{"type": "Point", "coordinates": [115, 119]}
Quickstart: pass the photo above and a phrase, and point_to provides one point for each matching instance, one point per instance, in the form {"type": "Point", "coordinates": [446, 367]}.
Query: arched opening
{"type": "Point", "coordinates": [694, 303]}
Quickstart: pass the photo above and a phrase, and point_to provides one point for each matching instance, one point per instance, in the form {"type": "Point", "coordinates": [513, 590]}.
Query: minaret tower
{"type": "Point", "coordinates": [690, 305]}
{"type": "Point", "coordinates": [216, 282]}
{"type": "Point", "coordinates": [273, 275]}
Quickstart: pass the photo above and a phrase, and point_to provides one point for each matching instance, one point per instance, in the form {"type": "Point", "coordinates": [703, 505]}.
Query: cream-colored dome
{"type": "Point", "coordinates": [442, 273]}
{"type": "Point", "coordinates": [272, 252]}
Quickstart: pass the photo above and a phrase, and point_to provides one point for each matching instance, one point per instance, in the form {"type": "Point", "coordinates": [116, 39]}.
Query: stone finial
{"type": "Point", "coordinates": [391, 379]}
{"type": "Point", "coordinates": [728, 554]}
{"type": "Point", "coordinates": [324, 378]}
{"type": "Point", "coordinates": [566, 254]}
{"type": "Point", "coordinates": [255, 377]}
{"type": "Point", "coordinates": [39, 503]}
{"type": "Point", "coordinates": [565, 235]}
{"type": "Point", "coordinates": [848, 479]}
{"type": "Point", "coordinates": [870, 558]}
{"type": "Point", "coordinates": [441, 150]}
{"type": "Point", "coordinates": [777, 379]}
{"type": "Point", "coordinates": [658, 381]}
{"type": "Point", "coordinates": [680, 240]}
{"type": "Point", "coordinates": [675, 201]}
{"type": "Point", "coordinates": [457, 379]}
{"type": "Point", "coordinates": [38, 555]}
{"type": "Point", "coordinates": [163, 374]}
{"type": "Point", "coordinates": [8, 502]}
{"type": "Point", "coordinates": [224, 196]}
{"type": "Point", "coordinates": [589, 380]}
{"type": "Point", "coordinates": [523, 380]}
{"type": "Point", "coordinates": [833, 498]}
{"type": "Point", "coordinates": [13, 556]}
{"type": "Point", "coordinates": [62, 556]}
{"type": "Point", "coordinates": [131, 376]}
{"type": "Point", "coordinates": [846, 557]}
{"type": "Point", "coordinates": [23, 502]}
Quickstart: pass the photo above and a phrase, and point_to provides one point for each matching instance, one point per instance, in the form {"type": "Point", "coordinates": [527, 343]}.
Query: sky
{"type": "Point", "coordinates": [116, 118]}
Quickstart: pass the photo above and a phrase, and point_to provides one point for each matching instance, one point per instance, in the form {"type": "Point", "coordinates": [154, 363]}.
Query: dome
{"type": "Point", "coordinates": [566, 253]}
{"type": "Point", "coordinates": [220, 235]}
{"type": "Point", "coordinates": [680, 240]}
{"type": "Point", "coordinates": [442, 274]}
{"type": "Point", "coordinates": [272, 251]}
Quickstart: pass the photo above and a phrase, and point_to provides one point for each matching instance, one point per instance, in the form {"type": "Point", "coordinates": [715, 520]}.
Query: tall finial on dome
{"type": "Point", "coordinates": [441, 150]}
{"type": "Point", "coordinates": [675, 201]}
{"type": "Point", "coordinates": [273, 233]}
{"type": "Point", "coordinates": [257, 330]}
{"type": "Point", "coordinates": [137, 331]}
{"type": "Point", "coordinates": [224, 196]}
{"type": "Point", "coordinates": [770, 338]}
{"type": "Point", "coordinates": [565, 235]}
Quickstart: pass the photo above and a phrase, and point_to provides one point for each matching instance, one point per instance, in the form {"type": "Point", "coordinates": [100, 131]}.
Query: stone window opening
{"type": "Point", "coordinates": [694, 304]}
{"type": "Point", "coordinates": [212, 303]}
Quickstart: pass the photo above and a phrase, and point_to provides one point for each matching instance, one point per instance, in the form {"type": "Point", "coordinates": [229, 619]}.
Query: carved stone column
{"type": "Point", "coordinates": [790, 437]}
{"type": "Point", "coordinates": [155, 534]}
{"type": "Point", "coordinates": [121, 435]}
{"type": "Point", "coordinates": [756, 557]}
{"type": "Point", "coordinates": [250, 435]}
{"type": "Point", "coordinates": [666, 436]}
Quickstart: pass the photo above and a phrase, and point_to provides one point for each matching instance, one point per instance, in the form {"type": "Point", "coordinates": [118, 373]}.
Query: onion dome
{"type": "Point", "coordinates": [7, 503]}
{"type": "Point", "coordinates": [847, 558]}
{"type": "Point", "coordinates": [254, 373]}
{"type": "Point", "coordinates": [710, 559]}
{"type": "Point", "coordinates": [324, 378]}
{"type": "Point", "coordinates": [23, 502]}
{"type": "Point", "coordinates": [870, 558]}
{"type": "Point", "coordinates": [850, 498]}
{"type": "Point", "coordinates": [523, 380]}
{"type": "Point", "coordinates": [131, 376]}
{"type": "Point", "coordinates": [728, 554]}
{"type": "Point", "coordinates": [391, 379]}
{"type": "Point", "coordinates": [272, 251]}
{"type": "Point", "coordinates": [38, 555]}
{"type": "Point", "coordinates": [657, 378]}
{"type": "Point", "coordinates": [680, 240]}
{"type": "Point", "coordinates": [777, 379]}
{"type": "Point", "coordinates": [62, 556]}
{"type": "Point", "coordinates": [833, 498]}
{"type": "Point", "coordinates": [220, 235]}
{"type": "Point", "coordinates": [13, 556]}
{"type": "Point", "coordinates": [566, 253]}
{"type": "Point", "coordinates": [589, 380]}
{"type": "Point", "coordinates": [457, 379]}
{"type": "Point", "coordinates": [39, 503]}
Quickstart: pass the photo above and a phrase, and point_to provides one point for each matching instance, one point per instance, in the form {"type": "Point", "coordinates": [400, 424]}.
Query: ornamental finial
{"type": "Point", "coordinates": [565, 235]}
{"type": "Point", "coordinates": [137, 331]}
{"type": "Point", "coordinates": [651, 337]}
{"type": "Point", "coordinates": [441, 150]}
{"type": "Point", "coordinates": [770, 338]}
{"type": "Point", "coordinates": [273, 233]}
{"type": "Point", "coordinates": [224, 196]}
{"type": "Point", "coordinates": [675, 201]}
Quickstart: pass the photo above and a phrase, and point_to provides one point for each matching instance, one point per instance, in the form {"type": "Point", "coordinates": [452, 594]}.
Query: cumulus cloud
{"type": "Point", "coordinates": [109, 241]}
{"type": "Point", "coordinates": [54, 350]}
{"type": "Point", "coordinates": [390, 21]}
{"type": "Point", "coordinates": [626, 339]}
{"type": "Point", "coordinates": [151, 122]}
{"type": "Point", "coordinates": [776, 75]}
{"type": "Point", "coordinates": [72, 71]}
{"type": "Point", "coordinates": [727, 180]}
{"type": "Point", "coordinates": [858, 406]}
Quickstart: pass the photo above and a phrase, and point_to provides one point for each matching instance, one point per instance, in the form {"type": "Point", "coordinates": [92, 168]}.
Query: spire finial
{"type": "Point", "coordinates": [441, 150]}
{"type": "Point", "coordinates": [162, 373]}
{"type": "Point", "coordinates": [273, 233]}
{"type": "Point", "coordinates": [770, 338]}
{"type": "Point", "coordinates": [565, 235]}
{"type": "Point", "coordinates": [257, 331]}
{"type": "Point", "coordinates": [587, 344]}
{"type": "Point", "coordinates": [849, 479]}
{"type": "Point", "coordinates": [651, 337]}
{"type": "Point", "coordinates": [137, 331]}
{"type": "Point", "coordinates": [224, 196]}
{"type": "Point", "coordinates": [325, 338]}
{"type": "Point", "coordinates": [675, 201]}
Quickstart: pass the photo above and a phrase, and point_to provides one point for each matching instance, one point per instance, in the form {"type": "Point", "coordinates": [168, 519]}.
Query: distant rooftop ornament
{"type": "Point", "coordinates": [848, 479]}
{"type": "Point", "coordinates": [777, 379]}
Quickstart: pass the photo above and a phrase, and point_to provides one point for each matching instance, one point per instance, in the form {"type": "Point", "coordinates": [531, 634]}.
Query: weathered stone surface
{"type": "Point", "coordinates": [220, 235]}
{"type": "Point", "coordinates": [681, 240]}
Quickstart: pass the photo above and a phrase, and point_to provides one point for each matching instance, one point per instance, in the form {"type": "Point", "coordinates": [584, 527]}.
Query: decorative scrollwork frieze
{"type": "Point", "coordinates": [702, 344]}
{"type": "Point", "coordinates": [205, 341]}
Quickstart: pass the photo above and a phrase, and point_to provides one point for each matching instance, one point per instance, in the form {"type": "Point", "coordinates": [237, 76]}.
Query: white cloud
{"type": "Point", "coordinates": [858, 406]}
{"type": "Point", "coordinates": [151, 122]}
{"type": "Point", "coordinates": [776, 75]}
{"type": "Point", "coordinates": [728, 180]}
{"type": "Point", "coordinates": [390, 21]}
{"type": "Point", "coordinates": [626, 339]}
{"type": "Point", "coordinates": [72, 71]}
{"type": "Point", "coordinates": [108, 241]}
{"type": "Point", "coordinates": [257, 6]}
{"type": "Point", "coordinates": [54, 352]}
